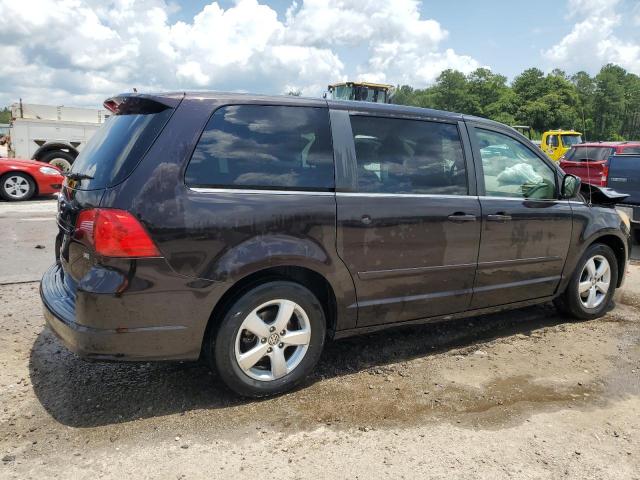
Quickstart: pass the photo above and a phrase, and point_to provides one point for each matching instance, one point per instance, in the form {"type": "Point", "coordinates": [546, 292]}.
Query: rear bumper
{"type": "Point", "coordinates": [140, 343]}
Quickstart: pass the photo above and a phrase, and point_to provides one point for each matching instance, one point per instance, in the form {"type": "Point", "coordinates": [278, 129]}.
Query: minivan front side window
{"type": "Point", "coordinates": [512, 170]}
{"type": "Point", "coordinates": [408, 156]}
{"type": "Point", "coordinates": [264, 146]}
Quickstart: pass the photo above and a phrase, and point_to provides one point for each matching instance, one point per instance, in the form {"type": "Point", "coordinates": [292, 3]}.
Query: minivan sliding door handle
{"type": "Point", "coordinates": [499, 217]}
{"type": "Point", "coordinates": [461, 217]}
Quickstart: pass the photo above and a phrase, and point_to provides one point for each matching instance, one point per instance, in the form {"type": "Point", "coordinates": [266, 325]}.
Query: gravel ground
{"type": "Point", "coordinates": [524, 394]}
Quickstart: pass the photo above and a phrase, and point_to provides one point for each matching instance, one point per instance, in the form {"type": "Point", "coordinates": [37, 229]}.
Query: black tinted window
{"type": "Point", "coordinates": [408, 156]}
{"type": "Point", "coordinates": [117, 147]}
{"type": "Point", "coordinates": [261, 146]}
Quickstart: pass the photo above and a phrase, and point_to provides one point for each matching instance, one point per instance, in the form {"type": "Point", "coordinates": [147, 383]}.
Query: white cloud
{"type": "Point", "coordinates": [591, 7]}
{"type": "Point", "coordinates": [403, 47]}
{"type": "Point", "coordinates": [79, 52]}
{"type": "Point", "coordinates": [592, 41]}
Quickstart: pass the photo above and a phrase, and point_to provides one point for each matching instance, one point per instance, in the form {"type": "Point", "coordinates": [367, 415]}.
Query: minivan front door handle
{"type": "Point", "coordinates": [499, 217]}
{"type": "Point", "coordinates": [461, 217]}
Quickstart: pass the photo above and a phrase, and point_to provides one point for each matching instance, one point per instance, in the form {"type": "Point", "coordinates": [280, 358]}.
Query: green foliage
{"type": "Point", "coordinates": [604, 107]}
{"type": "Point", "coordinates": [5, 115]}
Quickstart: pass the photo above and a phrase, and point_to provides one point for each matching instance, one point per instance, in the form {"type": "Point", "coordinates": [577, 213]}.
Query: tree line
{"type": "Point", "coordinates": [603, 107]}
{"type": "Point", "coordinates": [5, 115]}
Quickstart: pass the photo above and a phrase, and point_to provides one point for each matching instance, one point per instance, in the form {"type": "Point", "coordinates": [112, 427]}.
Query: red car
{"type": "Point", "coordinates": [590, 161]}
{"type": "Point", "coordinates": [22, 179]}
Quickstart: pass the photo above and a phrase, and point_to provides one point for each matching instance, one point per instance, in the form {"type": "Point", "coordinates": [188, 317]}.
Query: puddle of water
{"type": "Point", "coordinates": [385, 403]}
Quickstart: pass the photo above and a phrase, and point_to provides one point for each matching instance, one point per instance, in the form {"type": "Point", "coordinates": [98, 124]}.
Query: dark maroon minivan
{"type": "Point", "coordinates": [248, 230]}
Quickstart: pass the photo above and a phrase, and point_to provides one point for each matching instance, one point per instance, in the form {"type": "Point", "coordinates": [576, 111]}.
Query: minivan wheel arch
{"type": "Point", "coordinates": [617, 245]}
{"type": "Point", "coordinates": [306, 277]}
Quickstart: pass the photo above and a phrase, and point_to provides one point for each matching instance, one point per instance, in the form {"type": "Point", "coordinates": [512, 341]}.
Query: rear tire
{"type": "Point", "coordinates": [58, 158]}
{"type": "Point", "coordinates": [17, 186]}
{"type": "Point", "coordinates": [269, 340]}
{"type": "Point", "coordinates": [592, 285]}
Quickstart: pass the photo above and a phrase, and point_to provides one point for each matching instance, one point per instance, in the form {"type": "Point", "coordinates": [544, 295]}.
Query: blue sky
{"type": "Point", "coordinates": [512, 36]}
{"type": "Point", "coordinates": [273, 46]}
{"type": "Point", "coordinates": [508, 36]}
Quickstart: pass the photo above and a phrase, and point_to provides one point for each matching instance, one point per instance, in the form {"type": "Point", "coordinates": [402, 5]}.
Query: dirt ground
{"type": "Point", "coordinates": [520, 395]}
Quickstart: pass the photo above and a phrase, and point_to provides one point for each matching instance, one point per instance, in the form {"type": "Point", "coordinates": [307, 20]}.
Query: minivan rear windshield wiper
{"type": "Point", "coordinates": [77, 176]}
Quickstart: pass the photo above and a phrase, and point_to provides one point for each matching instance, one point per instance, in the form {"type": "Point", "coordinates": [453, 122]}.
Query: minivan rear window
{"type": "Point", "coordinates": [265, 147]}
{"type": "Point", "coordinates": [116, 148]}
{"type": "Point", "coordinates": [591, 154]}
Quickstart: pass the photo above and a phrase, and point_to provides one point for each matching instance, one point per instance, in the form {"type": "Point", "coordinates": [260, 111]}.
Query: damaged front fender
{"type": "Point", "coordinates": [605, 196]}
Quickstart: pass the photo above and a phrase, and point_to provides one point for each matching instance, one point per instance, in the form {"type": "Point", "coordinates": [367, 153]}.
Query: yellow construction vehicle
{"type": "Point", "coordinates": [555, 143]}
{"type": "Point", "coordinates": [361, 91]}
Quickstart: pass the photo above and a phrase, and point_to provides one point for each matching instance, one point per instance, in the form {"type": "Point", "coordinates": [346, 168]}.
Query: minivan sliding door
{"type": "Point", "coordinates": [408, 230]}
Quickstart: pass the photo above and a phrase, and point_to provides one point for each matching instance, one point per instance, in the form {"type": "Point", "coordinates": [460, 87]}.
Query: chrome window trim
{"type": "Point", "coordinates": [262, 191]}
{"type": "Point", "coordinates": [394, 195]}
{"type": "Point", "coordinates": [435, 195]}
{"type": "Point", "coordinates": [522, 199]}
{"type": "Point", "coordinates": [365, 194]}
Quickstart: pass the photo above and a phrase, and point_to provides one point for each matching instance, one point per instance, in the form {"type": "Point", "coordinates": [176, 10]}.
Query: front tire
{"type": "Point", "coordinates": [592, 284]}
{"type": "Point", "coordinates": [269, 340]}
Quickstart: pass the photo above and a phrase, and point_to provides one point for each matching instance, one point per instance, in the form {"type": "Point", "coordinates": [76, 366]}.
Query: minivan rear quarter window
{"type": "Point", "coordinates": [264, 146]}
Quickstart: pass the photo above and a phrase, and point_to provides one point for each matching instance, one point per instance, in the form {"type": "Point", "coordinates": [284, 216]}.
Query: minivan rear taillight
{"type": "Point", "coordinates": [114, 233]}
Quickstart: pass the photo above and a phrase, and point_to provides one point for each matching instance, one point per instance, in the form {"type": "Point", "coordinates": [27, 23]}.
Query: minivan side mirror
{"type": "Point", "coordinates": [570, 186]}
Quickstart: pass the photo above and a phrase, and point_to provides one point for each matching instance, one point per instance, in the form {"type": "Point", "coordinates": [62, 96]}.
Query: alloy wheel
{"type": "Point", "coordinates": [272, 340]}
{"type": "Point", "coordinates": [16, 186]}
{"type": "Point", "coordinates": [595, 281]}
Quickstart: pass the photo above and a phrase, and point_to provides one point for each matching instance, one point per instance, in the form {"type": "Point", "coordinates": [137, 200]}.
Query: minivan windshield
{"type": "Point", "coordinates": [117, 147]}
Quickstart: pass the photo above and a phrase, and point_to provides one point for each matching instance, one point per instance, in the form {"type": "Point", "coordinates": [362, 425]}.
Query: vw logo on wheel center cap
{"type": "Point", "coordinates": [274, 338]}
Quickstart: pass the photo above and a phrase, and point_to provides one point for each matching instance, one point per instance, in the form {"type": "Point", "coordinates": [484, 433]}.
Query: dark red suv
{"type": "Point", "coordinates": [590, 161]}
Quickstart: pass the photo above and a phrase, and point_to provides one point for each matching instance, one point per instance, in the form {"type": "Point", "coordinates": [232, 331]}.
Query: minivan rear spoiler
{"type": "Point", "coordinates": [132, 103]}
